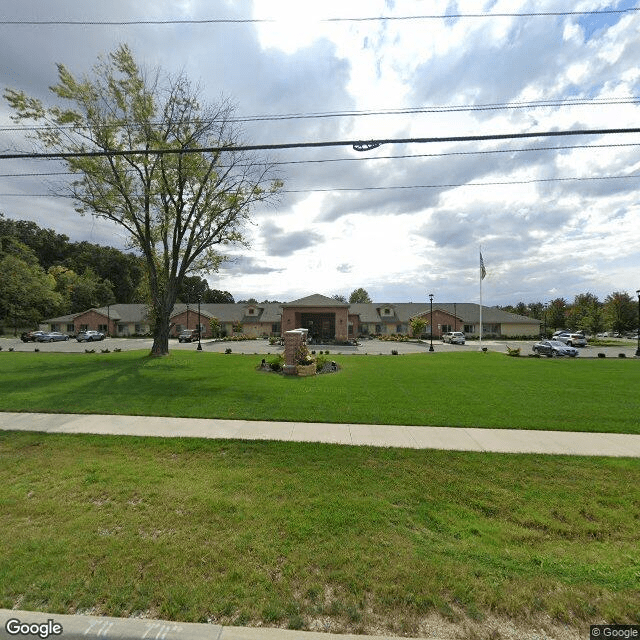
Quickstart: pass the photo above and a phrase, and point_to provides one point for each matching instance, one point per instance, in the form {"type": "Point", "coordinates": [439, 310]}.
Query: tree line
{"type": "Point", "coordinates": [617, 313]}
{"type": "Point", "coordinates": [45, 275]}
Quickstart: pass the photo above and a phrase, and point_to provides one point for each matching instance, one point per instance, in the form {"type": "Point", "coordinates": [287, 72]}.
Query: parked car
{"type": "Point", "coordinates": [554, 348]}
{"type": "Point", "coordinates": [52, 336]}
{"type": "Point", "coordinates": [188, 335]}
{"type": "Point", "coordinates": [31, 336]}
{"type": "Point", "coordinates": [573, 339]}
{"type": "Point", "coordinates": [89, 336]}
{"type": "Point", "coordinates": [453, 337]}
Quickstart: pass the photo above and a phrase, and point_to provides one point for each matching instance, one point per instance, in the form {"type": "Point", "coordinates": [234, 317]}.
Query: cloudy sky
{"type": "Point", "coordinates": [554, 216]}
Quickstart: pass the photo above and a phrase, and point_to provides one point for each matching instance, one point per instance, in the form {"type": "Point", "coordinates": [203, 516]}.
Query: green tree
{"type": "Point", "coordinates": [27, 292]}
{"type": "Point", "coordinates": [81, 292]}
{"type": "Point", "coordinates": [338, 297]}
{"type": "Point", "coordinates": [557, 314]}
{"type": "Point", "coordinates": [214, 323]}
{"type": "Point", "coordinates": [417, 325]}
{"type": "Point", "coordinates": [620, 312]}
{"type": "Point", "coordinates": [585, 313]}
{"type": "Point", "coordinates": [179, 207]}
{"type": "Point", "coordinates": [359, 295]}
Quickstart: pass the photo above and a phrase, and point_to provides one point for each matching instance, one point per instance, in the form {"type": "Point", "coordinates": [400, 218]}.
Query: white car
{"type": "Point", "coordinates": [572, 339]}
{"type": "Point", "coordinates": [453, 337]}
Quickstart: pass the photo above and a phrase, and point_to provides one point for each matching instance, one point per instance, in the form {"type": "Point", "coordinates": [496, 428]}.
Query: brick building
{"type": "Point", "coordinates": [324, 317]}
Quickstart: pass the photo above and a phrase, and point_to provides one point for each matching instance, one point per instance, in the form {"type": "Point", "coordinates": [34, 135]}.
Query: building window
{"type": "Point", "coordinates": [251, 310]}
{"type": "Point", "coordinates": [84, 327]}
{"type": "Point", "coordinates": [102, 327]}
{"type": "Point", "coordinates": [447, 327]}
{"type": "Point", "coordinates": [71, 328]}
{"type": "Point", "coordinates": [139, 328]}
{"type": "Point", "coordinates": [276, 327]}
{"type": "Point", "coordinates": [469, 328]}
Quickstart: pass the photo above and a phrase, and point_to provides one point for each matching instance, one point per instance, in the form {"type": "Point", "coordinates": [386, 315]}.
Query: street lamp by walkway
{"type": "Point", "coordinates": [431, 332]}
{"type": "Point", "coordinates": [638, 349]}
{"type": "Point", "coordinates": [199, 343]}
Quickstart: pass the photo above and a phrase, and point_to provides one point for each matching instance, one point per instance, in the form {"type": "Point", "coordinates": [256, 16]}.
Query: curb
{"type": "Point", "coordinates": [77, 627]}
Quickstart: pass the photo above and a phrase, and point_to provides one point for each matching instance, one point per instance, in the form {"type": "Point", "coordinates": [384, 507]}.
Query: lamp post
{"type": "Point", "coordinates": [199, 343]}
{"type": "Point", "coordinates": [187, 315]}
{"type": "Point", "coordinates": [638, 336]}
{"type": "Point", "coordinates": [431, 321]}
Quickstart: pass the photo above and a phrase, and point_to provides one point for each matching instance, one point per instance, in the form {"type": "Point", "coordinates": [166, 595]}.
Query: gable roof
{"type": "Point", "coordinates": [316, 300]}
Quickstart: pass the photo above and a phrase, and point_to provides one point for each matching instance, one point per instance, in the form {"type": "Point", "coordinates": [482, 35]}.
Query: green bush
{"type": "Point", "coordinates": [276, 362]}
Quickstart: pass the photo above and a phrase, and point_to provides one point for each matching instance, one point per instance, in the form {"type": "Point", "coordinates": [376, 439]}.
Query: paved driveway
{"type": "Point", "coordinates": [262, 346]}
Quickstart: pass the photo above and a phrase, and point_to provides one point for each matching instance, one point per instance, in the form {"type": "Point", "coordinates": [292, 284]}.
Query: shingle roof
{"type": "Point", "coordinates": [271, 312]}
{"type": "Point", "coordinates": [316, 300]}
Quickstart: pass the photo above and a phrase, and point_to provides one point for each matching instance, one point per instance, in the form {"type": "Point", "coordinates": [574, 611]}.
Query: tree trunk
{"type": "Point", "coordinates": [161, 331]}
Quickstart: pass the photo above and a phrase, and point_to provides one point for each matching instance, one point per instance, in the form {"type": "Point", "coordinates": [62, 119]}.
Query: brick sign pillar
{"type": "Point", "coordinates": [293, 340]}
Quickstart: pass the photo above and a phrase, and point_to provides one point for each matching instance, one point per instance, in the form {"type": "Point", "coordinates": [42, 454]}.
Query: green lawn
{"type": "Point", "coordinates": [289, 534]}
{"type": "Point", "coordinates": [451, 389]}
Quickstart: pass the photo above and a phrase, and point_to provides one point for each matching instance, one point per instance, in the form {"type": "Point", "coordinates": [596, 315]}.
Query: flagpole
{"type": "Point", "coordinates": [480, 273]}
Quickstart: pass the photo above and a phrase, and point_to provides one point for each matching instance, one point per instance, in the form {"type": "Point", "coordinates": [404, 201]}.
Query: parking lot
{"type": "Point", "coordinates": [262, 346]}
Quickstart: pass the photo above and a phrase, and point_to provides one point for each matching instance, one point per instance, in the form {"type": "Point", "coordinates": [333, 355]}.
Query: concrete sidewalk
{"type": "Point", "coordinates": [83, 627]}
{"type": "Point", "coordinates": [448, 438]}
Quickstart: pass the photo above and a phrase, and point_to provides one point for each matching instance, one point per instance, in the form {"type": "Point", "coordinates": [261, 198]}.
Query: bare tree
{"type": "Point", "coordinates": [179, 207]}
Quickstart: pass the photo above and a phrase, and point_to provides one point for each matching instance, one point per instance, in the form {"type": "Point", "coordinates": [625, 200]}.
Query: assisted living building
{"type": "Point", "coordinates": [324, 317]}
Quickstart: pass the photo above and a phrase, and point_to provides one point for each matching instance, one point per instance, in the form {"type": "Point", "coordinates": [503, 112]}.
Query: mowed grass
{"type": "Point", "coordinates": [291, 534]}
{"type": "Point", "coordinates": [444, 389]}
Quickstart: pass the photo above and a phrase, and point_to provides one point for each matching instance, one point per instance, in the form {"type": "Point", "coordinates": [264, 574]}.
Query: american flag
{"type": "Point", "coordinates": [483, 271]}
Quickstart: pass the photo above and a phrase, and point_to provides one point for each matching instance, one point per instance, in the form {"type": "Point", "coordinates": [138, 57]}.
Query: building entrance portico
{"type": "Point", "coordinates": [321, 326]}
{"type": "Point", "coordinates": [325, 318]}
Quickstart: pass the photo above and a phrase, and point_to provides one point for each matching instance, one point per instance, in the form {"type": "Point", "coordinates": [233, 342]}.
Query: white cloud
{"type": "Point", "coordinates": [539, 238]}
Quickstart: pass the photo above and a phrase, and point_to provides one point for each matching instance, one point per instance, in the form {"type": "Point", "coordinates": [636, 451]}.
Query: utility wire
{"type": "Point", "coordinates": [537, 104]}
{"type": "Point", "coordinates": [369, 159]}
{"type": "Point", "coordinates": [120, 23]}
{"type": "Point", "coordinates": [365, 145]}
{"type": "Point", "coordinates": [449, 185]}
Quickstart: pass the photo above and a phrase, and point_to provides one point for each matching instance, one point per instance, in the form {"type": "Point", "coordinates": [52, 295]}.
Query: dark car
{"type": "Point", "coordinates": [31, 336]}
{"type": "Point", "coordinates": [89, 336]}
{"type": "Point", "coordinates": [52, 336]}
{"type": "Point", "coordinates": [554, 348]}
{"type": "Point", "coordinates": [188, 335]}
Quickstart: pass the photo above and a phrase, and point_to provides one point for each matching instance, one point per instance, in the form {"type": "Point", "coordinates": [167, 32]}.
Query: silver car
{"type": "Point", "coordinates": [453, 337]}
{"type": "Point", "coordinates": [52, 336]}
{"type": "Point", "coordinates": [572, 339]}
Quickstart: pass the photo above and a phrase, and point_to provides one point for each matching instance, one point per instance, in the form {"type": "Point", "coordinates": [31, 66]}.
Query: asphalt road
{"type": "Point", "coordinates": [262, 346]}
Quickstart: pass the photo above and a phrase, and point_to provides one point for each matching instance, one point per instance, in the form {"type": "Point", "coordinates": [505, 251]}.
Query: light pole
{"type": "Point", "coordinates": [431, 321]}
{"type": "Point", "coordinates": [638, 336]}
{"type": "Point", "coordinates": [187, 315]}
{"type": "Point", "coordinates": [199, 343]}
{"type": "Point", "coordinates": [108, 321]}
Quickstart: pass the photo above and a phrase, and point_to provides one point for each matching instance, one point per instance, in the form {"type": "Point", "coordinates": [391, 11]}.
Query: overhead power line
{"type": "Point", "coordinates": [445, 185]}
{"type": "Point", "coordinates": [533, 104]}
{"type": "Point", "coordinates": [355, 144]}
{"type": "Point", "coordinates": [205, 21]}
{"type": "Point", "coordinates": [406, 156]}
{"type": "Point", "coordinates": [496, 106]}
